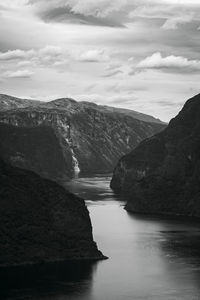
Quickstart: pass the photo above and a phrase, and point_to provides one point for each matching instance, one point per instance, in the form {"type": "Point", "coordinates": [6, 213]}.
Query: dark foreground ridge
{"type": "Point", "coordinates": [34, 148]}
{"type": "Point", "coordinates": [162, 175]}
{"type": "Point", "coordinates": [40, 221]}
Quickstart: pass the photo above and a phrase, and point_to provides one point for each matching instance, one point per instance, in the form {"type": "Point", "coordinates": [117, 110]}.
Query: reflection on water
{"type": "Point", "coordinates": [92, 188]}
{"type": "Point", "coordinates": [66, 280]}
{"type": "Point", "coordinates": [150, 258]}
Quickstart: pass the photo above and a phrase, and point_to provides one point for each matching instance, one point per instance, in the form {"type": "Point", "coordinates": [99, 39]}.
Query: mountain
{"type": "Point", "coordinates": [92, 138]}
{"type": "Point", "coordinates": [162, 175]}
{"type": "Point", "coordinates": [9, 102]}
{"type": "Point", "coordinates": [34, 148]}
{"type": "Point", "coordinates": [40, 221]}
{"type": "Point", "coordinates": [128, 112]}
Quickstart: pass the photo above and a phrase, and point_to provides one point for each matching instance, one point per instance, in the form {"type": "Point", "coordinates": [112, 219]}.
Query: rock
{"type": "Point", "coordinates": [128, 112]}
{"type": "Point", "coordinates": [162, 175]}
{"type": "Point", "coordinates": [36, 149]}
{"type": "Point", "coordinates": [40, 221]}
{"type": "Point", "coordinates": [92, 137]}
{"type": "Point", "coordinates": [9, 102]}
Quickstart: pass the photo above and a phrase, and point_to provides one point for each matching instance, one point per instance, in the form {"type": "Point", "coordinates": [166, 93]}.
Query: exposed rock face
{"type": "Point", "coordinates": [34, 148]}
{"type": "Point", "coordinates": [9, 102]}
{"type": "Point", "coordinates": [40, 221]}
{"type": "Point", "coordinates": [127, 112]}
{"type": "Point", "coordinates": [162, 175]}
{"type": "Point", "coordinates": [92, 138]}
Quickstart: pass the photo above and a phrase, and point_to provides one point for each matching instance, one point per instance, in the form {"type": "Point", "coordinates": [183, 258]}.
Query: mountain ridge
{"type": "Point", "coordinates": [162, 174]}
{"type": "Point", "coordinates": [92, 139]}
{"type": "Point", "coordinates": [10, 102]}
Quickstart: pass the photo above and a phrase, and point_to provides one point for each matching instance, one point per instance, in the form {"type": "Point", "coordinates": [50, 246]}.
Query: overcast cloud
{"type": "Point", "coordinates": [138, 54]}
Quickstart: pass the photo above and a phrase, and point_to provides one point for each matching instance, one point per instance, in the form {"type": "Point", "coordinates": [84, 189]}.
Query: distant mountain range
{"type": "Point", "coordinates": [10, 102]}
{"type": "Point", "coordinates": [162, 174]}
{"type": "Point", "coordinates": [86, 137]}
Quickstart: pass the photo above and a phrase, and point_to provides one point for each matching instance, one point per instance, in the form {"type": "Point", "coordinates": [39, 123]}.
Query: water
{"type": "Point", "coordinates": [150, 258]}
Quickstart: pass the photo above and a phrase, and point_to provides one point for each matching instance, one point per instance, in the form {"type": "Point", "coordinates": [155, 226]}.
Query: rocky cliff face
{"type": "Point", "coordinates": [40, 221]}
{"type": "Point", "coordinates": [128, 112]}
{"type": "Point", "coordinates": [162, 175]}
{"type": "Point", "coordinates": [34, 148]}
{"type": "Point", "coordinates": [92, 138]}
{"type": "Point", "coordinates": [9, 102]}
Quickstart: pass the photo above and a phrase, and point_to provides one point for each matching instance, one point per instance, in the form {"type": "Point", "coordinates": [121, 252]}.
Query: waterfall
{"type": "Point", "coordinates": [127, 140]}
{"type": "Point", "coordinates": [75, 163]}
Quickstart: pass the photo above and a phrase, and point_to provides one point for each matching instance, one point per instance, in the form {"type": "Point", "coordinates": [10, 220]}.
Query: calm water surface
{"type": "Point", "coordinates": [150, 258]}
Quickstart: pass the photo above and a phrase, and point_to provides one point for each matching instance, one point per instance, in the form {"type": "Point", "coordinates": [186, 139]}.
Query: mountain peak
{"type": "Point", "coordinates": [9, 102]}
{"type": "Point", "coordinates": [63, 102]}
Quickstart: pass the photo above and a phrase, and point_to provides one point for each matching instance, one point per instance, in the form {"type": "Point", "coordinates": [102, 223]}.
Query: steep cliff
{"type": "Point", "coordinates": [35, 148]}
{"type": "Point", "coordinates": [40, 221]}
{"type": "Point", "coordinates": [92, 138]}
{"type": "Point", "coordinates": [162, 175]}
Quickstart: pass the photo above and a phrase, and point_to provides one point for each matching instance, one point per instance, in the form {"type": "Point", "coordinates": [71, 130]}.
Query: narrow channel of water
{"type": "Point", "coordinates": [150, 258]}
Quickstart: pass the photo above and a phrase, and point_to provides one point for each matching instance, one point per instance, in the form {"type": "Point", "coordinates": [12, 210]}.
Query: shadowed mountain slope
{"type": "Point", "coordinates": [40, 221]}
{"type": "Point", "coordinates": [92, 137]}
{"type": "Point", "coordinates": [162, 175]}
{"type": "Point", "coordinates": [35, 148]}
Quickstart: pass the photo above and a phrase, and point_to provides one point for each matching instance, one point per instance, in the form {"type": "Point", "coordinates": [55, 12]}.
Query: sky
{"type": "Point", "coordinates": [136, 54]}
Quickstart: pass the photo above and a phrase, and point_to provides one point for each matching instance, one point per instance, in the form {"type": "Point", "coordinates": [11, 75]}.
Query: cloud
{"type": "Point", "coordinates": [13, 4]}
{"type": "Point", "coordinates": [100, 8]}
{"type": "Point", "coordinates": [173, 14]}
{"type": "Point", "coordinates": [95, 55]}
{"type": "Point", "coordinates": [24, 63]}
{"type": "Point", "coordinates": [152, 11]}
{"type": "Point", "coordinates": [113, 66]}
{"type": "Point", "coordinates": [47, 54]}
{"type": "Point", "coordinates": [113, 73]}
{"type": "Point", "coordinates": [65, 15]}
{"type": "Point", "coordinates": [172, 23]}
{"type": "Point", "coordinates": [88, 12]}
{"type": "Point", "coordinates": [112, 13]}
{"type": "Point", "coordinates": [19, 74]}
{"type": "Point", "coordinates": [173, 63]}
{"type": "Point", "coordinates": [183, 2]}
{"type": "Point", "coordinates": [12, 55]}
{"type": "Point", "coordinates": [53, 56]}
{"type": "Point", "coordinates": [118, 69]}
{"type": "Point", "coordinates": [168, 103]}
